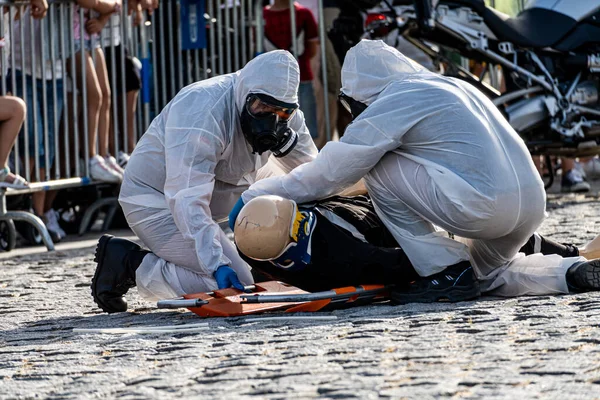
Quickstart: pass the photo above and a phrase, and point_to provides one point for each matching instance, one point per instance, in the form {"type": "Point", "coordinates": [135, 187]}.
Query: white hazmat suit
{"type": "Point", "coordinates": [434, 153]}
{"type": "Point", "coordinates": [191, 166]}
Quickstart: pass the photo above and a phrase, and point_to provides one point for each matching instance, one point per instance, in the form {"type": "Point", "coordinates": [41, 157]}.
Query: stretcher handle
{"type": "Point", "coordinates": [335, 294]}
{"type": "Point", "coordinates": [180, 302]}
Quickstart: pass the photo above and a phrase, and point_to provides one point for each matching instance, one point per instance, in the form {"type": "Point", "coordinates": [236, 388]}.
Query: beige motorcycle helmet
{"type": "Point", "coordinates": [269, 228]}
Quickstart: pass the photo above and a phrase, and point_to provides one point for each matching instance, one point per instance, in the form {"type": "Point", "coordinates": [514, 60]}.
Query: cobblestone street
{"type": "Point", "coordinates": [530, 347]}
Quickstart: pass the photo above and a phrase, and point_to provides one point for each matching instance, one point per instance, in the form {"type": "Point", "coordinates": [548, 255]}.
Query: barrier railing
{"type": "Point", "coordinates": [55, 66]}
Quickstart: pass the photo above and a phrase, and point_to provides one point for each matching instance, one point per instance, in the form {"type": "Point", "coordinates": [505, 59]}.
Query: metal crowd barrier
{"type": "Point", "coordinates": [233, 34]}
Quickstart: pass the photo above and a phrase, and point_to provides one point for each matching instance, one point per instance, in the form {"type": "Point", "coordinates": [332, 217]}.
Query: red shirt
{"type": "Point", "coordinates": [279, 32]}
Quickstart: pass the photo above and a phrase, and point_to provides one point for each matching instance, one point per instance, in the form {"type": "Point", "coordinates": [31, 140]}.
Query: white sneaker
{"type": "Point", "coordinates": [99, 171]}
{"type": "Point", "coordinates": [51, 218]}
{"type": "Point", "coordinates": [573, 182]}
{"type": "Point", "coordinates": [68, 216]}
{"type": "Point", "coordinates": [60, 229]}
{"type": "Point", "coordinates": [592, 169]}
{"type": "Point", "coordinates": [112, 164]}
{"type": "Point", "coordinates": [123, 159]}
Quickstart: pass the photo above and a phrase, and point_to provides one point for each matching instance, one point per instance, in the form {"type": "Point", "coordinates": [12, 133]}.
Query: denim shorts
{"type": "Point", "coordinates": [308, 105]}
{"type": "Point", "coordinates": [88, 44]}
{"type": "Point", "coordinates": [42, 121]}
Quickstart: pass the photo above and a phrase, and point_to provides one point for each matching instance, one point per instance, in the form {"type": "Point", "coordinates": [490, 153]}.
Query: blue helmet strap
{"type": "Point", "coordinates": [298, 254]}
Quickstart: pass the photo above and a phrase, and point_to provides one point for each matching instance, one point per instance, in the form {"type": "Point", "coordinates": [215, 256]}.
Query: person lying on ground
{"type": "Point", "coordinates": [341, 241]}
{"type": "Point", "coordinates": [214, 139]}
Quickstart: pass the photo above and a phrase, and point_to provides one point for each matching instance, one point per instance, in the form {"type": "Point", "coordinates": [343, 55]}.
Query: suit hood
{"type": "Point", "coordinates": [275, 73]}
{"type": "Point", "coordinates": [371, 65]}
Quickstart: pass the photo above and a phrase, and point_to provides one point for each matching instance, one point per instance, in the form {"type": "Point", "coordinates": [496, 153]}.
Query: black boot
{"type": "Point", "coordinates": [539, 244]}
{"type": "Point", "coordinates": [117, 259]}
{"type": "Point", "coordinates": [456, 283]}
{"type": "Point", "coordinates": [584, 276]}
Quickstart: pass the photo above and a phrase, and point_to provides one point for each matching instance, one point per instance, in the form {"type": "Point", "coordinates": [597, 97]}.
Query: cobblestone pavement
{"type": "Point", "coordinates": [530, 347]}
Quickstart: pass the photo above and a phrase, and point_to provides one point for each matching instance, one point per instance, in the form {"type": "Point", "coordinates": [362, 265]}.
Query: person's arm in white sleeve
{"type": "Point", "coordinates": [304, 151]}
{"type": "Point", "coordinates": [191, 156]}
{"type": "Point", "coordinates": [338, 165]}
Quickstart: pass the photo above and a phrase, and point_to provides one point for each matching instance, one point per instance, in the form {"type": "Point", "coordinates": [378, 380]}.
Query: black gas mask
{"type": "Point", "coordinates": [264, 123]}
{"type": "Point", "coordinates": [354, 107]}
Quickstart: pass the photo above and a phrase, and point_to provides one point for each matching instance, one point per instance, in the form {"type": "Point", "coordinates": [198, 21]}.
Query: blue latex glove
{"type": "Point", "coordinates": [234, 212]}
{"type": "Point", "coordinates": [226, 278]}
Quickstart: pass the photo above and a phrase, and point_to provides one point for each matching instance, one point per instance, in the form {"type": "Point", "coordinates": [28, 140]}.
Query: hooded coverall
{"type": "Point", "coordinates": [191, 166]}
{"type": "Point", "coordinates": [437, 158]}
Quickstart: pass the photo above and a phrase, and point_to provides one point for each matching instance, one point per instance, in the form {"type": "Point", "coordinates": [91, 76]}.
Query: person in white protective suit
{"type": "Point", "coordinates": [448, 176]}
{"type": "Point", "coordinates": [213, 140]}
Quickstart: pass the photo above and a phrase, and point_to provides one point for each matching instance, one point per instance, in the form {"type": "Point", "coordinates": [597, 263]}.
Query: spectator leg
{"type": "Point", "coordinates": [132, 97]}
{"type": "Point", "coordinates": [94, 98]}
{"type": "Point", "coordinates": [49, 200]}
{"type": "Point", "coordinates": [112, 146]}
{"type": "Point", "coordinates": [38, 199]}
{"type": "Point", "coordinates": [12, 115]}
{"type": "Point", "coordinates": [104, 112]}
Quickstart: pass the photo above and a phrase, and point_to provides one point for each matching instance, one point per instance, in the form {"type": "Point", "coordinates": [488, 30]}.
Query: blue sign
{"type": "Point", "coordinates": [146, 79]}
{"type": "Point", "coordinates": [193, 25]}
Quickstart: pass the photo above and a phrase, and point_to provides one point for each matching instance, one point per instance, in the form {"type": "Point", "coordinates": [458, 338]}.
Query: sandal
{"type": "Point", "coordinates": [18, 182]}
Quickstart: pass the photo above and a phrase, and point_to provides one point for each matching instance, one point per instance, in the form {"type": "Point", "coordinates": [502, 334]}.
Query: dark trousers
{"type": "Point", "coordinates": [547, 246]}
{"type": "Point", "coordinates": [339, 259]}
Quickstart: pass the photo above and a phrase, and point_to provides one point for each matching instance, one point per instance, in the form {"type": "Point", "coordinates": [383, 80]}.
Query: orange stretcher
{"type": "Point", "coordinates": [275, 296]}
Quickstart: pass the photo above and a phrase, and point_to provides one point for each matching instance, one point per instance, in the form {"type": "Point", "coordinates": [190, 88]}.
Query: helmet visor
{"type": "Point", "coordinates": [260, 108]}
{"type": "Point", "coordinates": [352, 106]}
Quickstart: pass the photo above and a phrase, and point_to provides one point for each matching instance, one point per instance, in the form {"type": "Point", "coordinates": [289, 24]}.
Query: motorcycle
{"type": "Point", "coordinates": [549, 54]}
